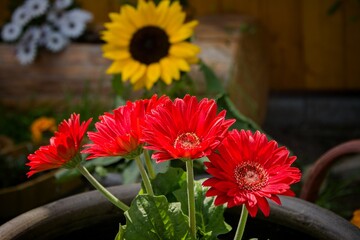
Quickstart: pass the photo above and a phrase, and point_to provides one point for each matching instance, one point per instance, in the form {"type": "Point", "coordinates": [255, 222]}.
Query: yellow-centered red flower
{"type": "Point", "coordinates": [185, 129]}
{"type": "Point", "coordinates": [246, 168]}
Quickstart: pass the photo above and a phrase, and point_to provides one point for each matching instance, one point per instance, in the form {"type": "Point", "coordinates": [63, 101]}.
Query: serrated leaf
{"type": "Point", "coordinates": [210, 220]}
{"type": "Point", "coordinates": [152, 217]}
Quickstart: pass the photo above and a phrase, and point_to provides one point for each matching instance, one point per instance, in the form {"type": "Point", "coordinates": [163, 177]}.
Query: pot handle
{"type": "Point", "coordinates": [317, 174]}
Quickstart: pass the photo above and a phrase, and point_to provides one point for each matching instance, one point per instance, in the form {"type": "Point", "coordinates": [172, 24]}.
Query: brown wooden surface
{"type": "Point", "coordinates": [308, 49]}
{"type": "Point", "coordinates": [236, 57]}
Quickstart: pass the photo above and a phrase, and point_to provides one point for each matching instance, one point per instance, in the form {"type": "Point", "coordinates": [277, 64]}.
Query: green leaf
{"type": "Point", "coordinates": [213, 83]}
{"type": "Point", "coordinates": [120, 234]}
{"type": "Point", "coordinates": [242, 122]}
{"type": "Point", "coordinates": [131, 172]}
{"type": "Point", "coordinates": [152, 217]}
{"type": "Point", "coordinates": [210, 220]}
{"type": "Point", "coordinates": [168, 182]}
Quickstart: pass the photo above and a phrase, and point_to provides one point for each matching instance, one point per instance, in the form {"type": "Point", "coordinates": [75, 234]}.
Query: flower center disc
{"type": "Point", "coordinates": [187, 141]}
{"type": "Point", "coordinates": [149, 44]}
{"type": "Point", "coordinates": [251, 176]}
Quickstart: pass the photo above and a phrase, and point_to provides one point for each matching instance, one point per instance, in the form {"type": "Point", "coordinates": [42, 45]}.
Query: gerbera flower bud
{"type": "Point", "coordinates": [185, 129]}
{"type": "Point", "coordinates": [64, 148]}
{"type": "Point", "coordinates": [246, 168]}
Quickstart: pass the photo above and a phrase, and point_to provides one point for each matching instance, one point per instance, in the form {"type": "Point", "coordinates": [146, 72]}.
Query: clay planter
{"type": "Point", "coordinates": [90, 216]}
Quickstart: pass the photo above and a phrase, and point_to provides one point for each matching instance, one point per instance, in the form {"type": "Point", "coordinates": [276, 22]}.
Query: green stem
{"type": "Point", "coordinates": [144, 176]}
{"type": "Point", "coordinates": [149, 165]}
{"type": "Point", "coordinates": [242, 223]}
{"type": "Point", "coordinates": [102, 189]}
{"type": "Point", "coordinates": [191, 197]}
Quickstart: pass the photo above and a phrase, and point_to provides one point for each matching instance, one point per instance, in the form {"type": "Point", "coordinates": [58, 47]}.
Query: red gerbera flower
{"type": "Point", "coordinates": [118, 134]}
{"type": "Point", "coordinates": [247, 169]}
{"type": "Point", "coordinates": [185, 129]}
{"type": "Point", "coordinates": [64, 148]}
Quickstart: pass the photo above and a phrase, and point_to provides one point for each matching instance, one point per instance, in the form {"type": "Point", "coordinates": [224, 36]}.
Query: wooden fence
{"type": "Point", "coordinates": [308, 48]}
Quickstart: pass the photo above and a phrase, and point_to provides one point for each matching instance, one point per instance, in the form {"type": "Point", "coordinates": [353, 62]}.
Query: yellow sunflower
{"type": "Point", "coordinates": [149, 43]}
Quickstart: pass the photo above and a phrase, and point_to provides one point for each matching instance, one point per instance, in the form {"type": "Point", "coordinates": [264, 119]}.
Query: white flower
{"type": "Point", "coordinates": [10, 32]}
{"type": "Point", "coordinates": [55, 41]}
{"type": "Point", "coordinates": [54, 16]}
{"type": "Point", "coordinates": [31, 36]}
{"type": "Point", "coordinates": [62, 4]}
{"type": "Point", "coordinates": [26, 53]}
{"type": "Point", "coordinates": [71, 27]}
{"type": "Point", "coordinates": [45, 30]}
{"type": "Point", "coordinates": [80, 15]}
{"type": "Point", "coordinates": [36, 8]}
{"type": "Point", "coordinates": [20, 16]}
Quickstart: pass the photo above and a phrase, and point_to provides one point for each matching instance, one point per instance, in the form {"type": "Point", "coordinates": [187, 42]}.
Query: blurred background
{"type": "Point", "coordinates": [297, 64]}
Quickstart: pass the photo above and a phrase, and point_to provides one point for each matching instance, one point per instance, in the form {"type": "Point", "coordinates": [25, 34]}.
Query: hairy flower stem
{"type": "Point", "coordinates": [149, 165]}
{"type": "Point", "coordinates": [191, 197]}
{"type": "Point", "coordinates": [101, 188]}
{"type": "Point", "coordinates": [242, 223]}
{"type": "Point", "coordinates": [144, 176]}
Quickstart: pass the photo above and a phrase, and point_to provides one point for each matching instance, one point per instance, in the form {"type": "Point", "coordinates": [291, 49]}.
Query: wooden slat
{"type": "Point", "coordinates": [281, 20]}
{"type": "Point", "coordinates": [352, 35]}
{"type": "Point", "coordinates": [308, 50]}
{"type": "Point", "coordinates": [323, 37]}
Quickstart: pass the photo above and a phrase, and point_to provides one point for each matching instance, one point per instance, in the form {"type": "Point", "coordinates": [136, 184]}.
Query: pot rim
{"type": "Point", "coordinates": [299, 214]}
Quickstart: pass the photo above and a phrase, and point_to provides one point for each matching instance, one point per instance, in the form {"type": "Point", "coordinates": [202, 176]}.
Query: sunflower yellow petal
{"type": "Point", "coordinates": [153, 72]}
{"type": "Point", "coordinates": [129, 69]}
{"type": "Point", "coordinates": [165, 71]}
{"type": "Point", "coordinates": [114, 17]}
{"type": "Point", "coordinates": [113, 40]}
{"type": "Point", "coordinates": [119, 30]}
{"type": "Point", "coordinates": [117, 54]}
{"type": "Point", "coordinates": [148, 11]}
{"type": "Point", "coordinates": [115, 67]}
{"type": "Point", "coordinates": [175, 18]}
{"type": "Point", "coordinates": [184, 32]}
{"type": "Point", "coordinates": [161, 11]}
{"type": "Point", "coordinates": [184, 50]}
{"type": "Point", "coordinates": [173, 69]}
{"type": "Point", "coordinates": [175, 23]}
{"type": "Point", "coordinates": [180, 63]}
{"type": "Point", "coordinates": [133, 16]}
{"type": "Point", "coordinates": [140, 83]}
{"type": "Point", "coordinates": [138, 74]}
{"type": "Point", "coordinates": [193, 60]}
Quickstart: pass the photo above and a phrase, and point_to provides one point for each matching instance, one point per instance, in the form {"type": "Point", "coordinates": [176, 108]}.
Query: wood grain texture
{"type": "Point", "coordinates": [307, 48]}
{"type": "Point", "coordinates": [235, 56]}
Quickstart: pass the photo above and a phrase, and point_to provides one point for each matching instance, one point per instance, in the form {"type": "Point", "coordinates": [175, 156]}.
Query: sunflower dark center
{"type": "Point", "coordinates": [149, 44]}
{"type": "Point", "coordinates": [187, 141]}
{"type": "Point", "coordinates": [251, 176]}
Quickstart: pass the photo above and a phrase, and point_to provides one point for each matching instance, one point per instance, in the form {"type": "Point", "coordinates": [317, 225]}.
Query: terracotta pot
{"type": "Point", "coordinates": [90, 216]}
